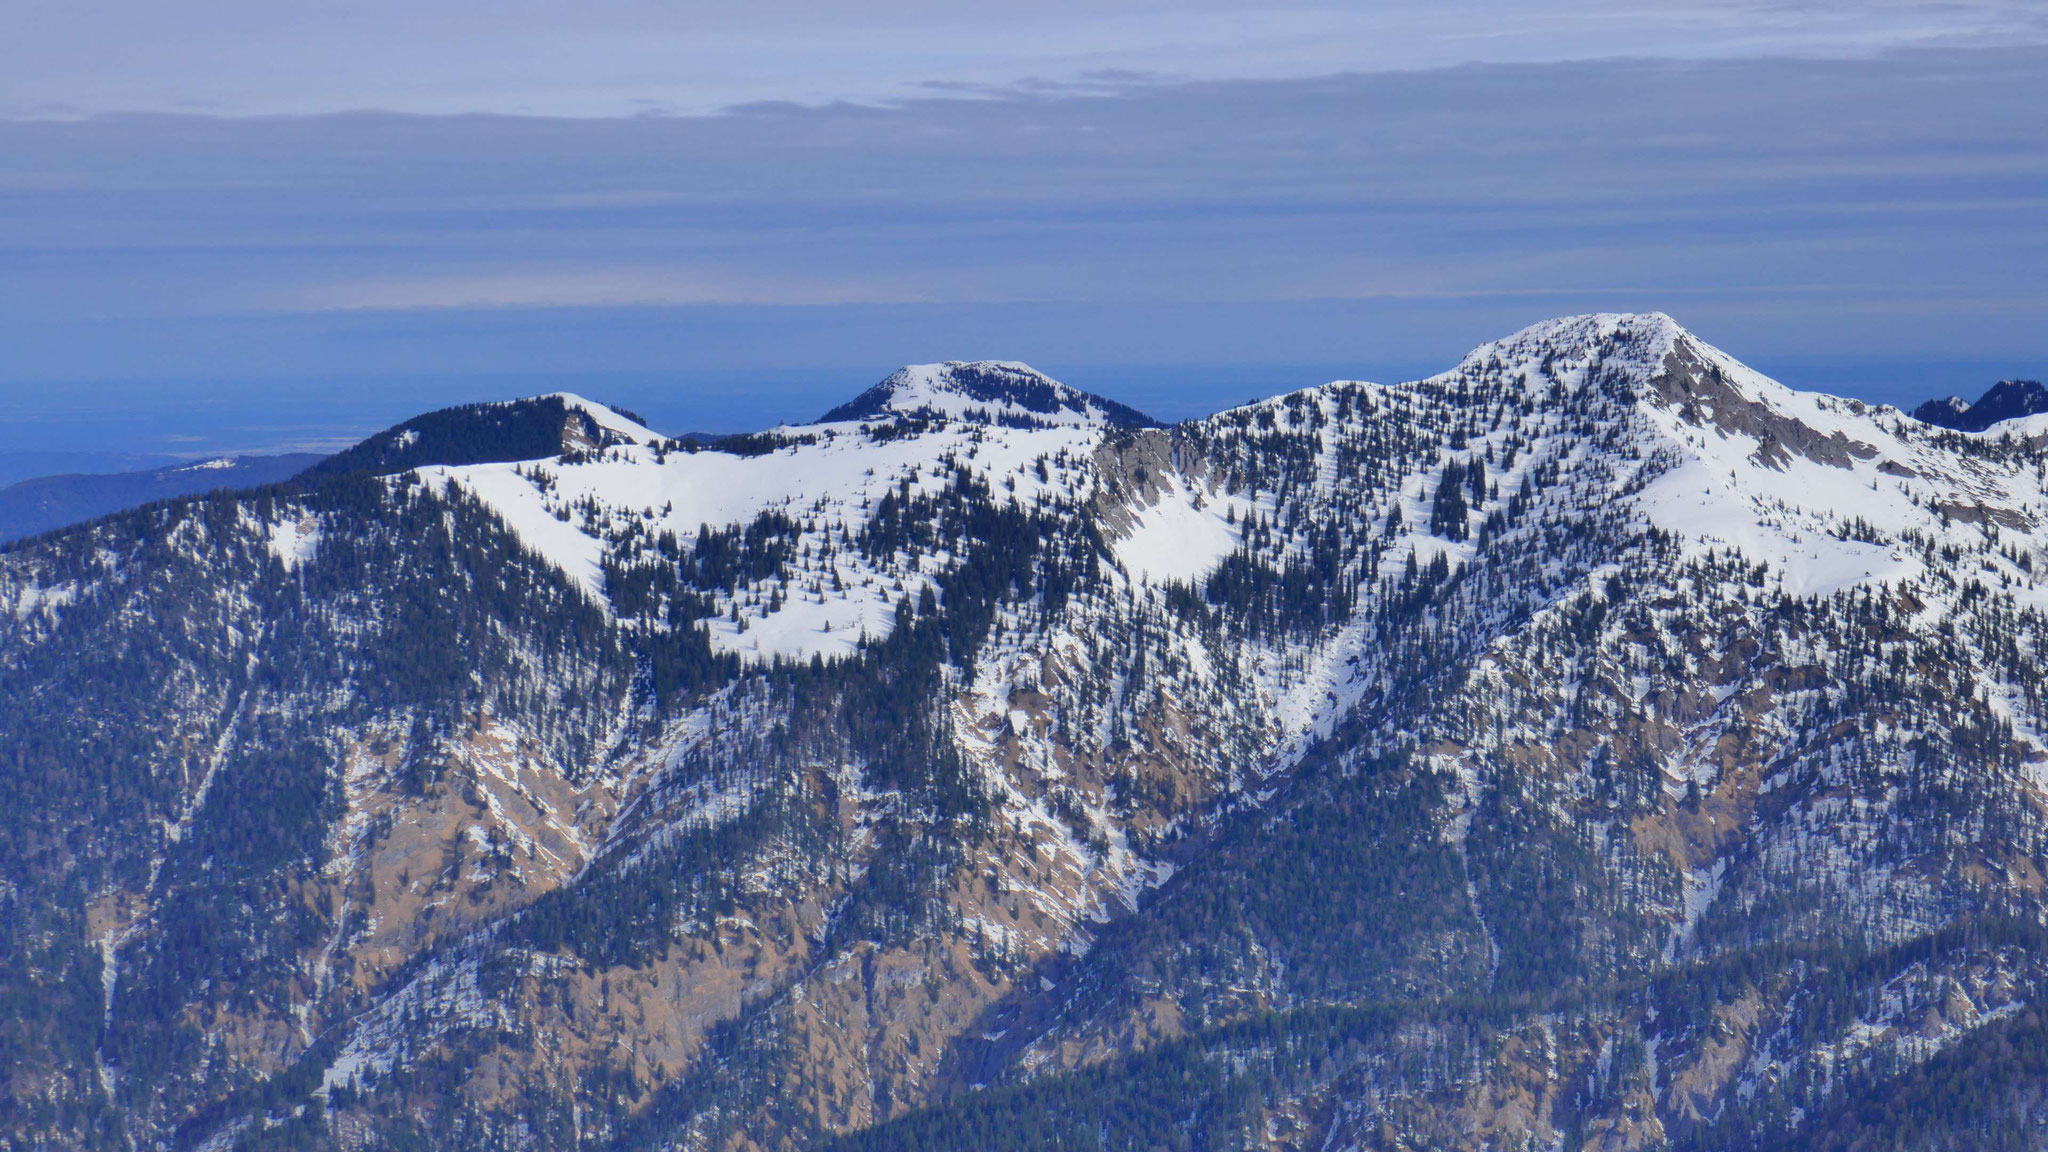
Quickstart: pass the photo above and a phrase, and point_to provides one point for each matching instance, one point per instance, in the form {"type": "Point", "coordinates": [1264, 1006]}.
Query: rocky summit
{"type": "Point", "coordinates": [1595, 746]}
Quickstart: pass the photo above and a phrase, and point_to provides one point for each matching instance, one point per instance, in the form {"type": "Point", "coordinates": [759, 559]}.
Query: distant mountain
{"type": "Point", "coordinates": [997, 391]}
{"type": "Point", "coordinates": [1595, 746]}
{"type": "Point", "coordinates": [531, 429]}
{"type": "Point", "coordinates": [50, 502]}
{"type": "Point", "coordinates": [2005, 400]}
{"type": "Point", "coordinates": [16, 466]}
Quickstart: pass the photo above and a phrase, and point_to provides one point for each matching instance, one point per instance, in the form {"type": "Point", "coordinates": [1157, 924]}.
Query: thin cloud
{"type": "Point", "coordinates": [1840, 207]}
{"type": "Point", "coordinates": [622, 57]}
{"type": "Point", "coordinates": [580, 288]}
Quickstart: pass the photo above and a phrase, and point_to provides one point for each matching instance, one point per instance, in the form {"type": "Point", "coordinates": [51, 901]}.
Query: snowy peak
{"type": "Point", "coordinates": [1826, 492]}
{"type": "Point", "coordinates": [1649, 359]}
{"type": "Point", "coordinates": [2006, 400]}
{"type": "Point", "coordinates": [536, 428]}
{"type": "Point", "coordinates": [986, 391]}
{"type": "Point", "coordinates": [1631, 344]}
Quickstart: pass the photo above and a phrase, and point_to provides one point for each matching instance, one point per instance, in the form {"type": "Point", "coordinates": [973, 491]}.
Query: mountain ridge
{"type": "Point", "coordinates": [47, 503]}
{"type": "Point", "coordinates": [2005, 400]}
{"type": "Point", "coordinates": [530, 428]}
{"type": "Point", "coordinates": [1596, 743]}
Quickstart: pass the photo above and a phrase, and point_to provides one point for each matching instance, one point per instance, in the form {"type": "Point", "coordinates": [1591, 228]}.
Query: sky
{"type": "Point", "coordinates": [239, 226]}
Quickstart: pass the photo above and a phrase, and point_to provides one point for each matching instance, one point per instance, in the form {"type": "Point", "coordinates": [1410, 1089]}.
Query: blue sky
{"type": "Point", "coordinates": [232, 230]}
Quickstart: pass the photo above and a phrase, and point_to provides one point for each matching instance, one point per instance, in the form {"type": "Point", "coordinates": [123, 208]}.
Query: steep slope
{"type": "Point", "coordinates": [1597, 743]}
{"type": "Point", "coordinates": [47, 503]}
{"type": "Point", "coordinates": [240, 732]}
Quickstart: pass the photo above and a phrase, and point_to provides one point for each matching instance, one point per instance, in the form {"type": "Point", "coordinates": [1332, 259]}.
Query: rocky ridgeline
{"type": "Point", "coordinates": [1596, 745]}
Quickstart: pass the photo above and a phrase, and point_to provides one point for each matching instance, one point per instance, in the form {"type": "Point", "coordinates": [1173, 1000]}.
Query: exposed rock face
{"type": "Point", "coordinates": [1595, 745]}
{"type": "Point", "coordinates": [1705, 397]}
{"type": "Point", "coordinates": [2006, 400]}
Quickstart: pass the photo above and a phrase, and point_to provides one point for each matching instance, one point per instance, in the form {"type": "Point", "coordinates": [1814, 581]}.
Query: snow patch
{"type": "Point", "coordinates": [294, 542]}
{"type": "Point", "coordinates": [1183, 536]}
{"type": "Point", "coordinates": [37, 598]}
{"type": "Point", "coordinates": [827, 476]}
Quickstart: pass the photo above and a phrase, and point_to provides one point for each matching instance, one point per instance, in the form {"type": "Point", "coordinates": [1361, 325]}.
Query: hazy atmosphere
{"type": "Point", "coordinates": [228, 228]}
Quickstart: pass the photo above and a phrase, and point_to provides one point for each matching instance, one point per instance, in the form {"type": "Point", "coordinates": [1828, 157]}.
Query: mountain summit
{"type": "Point", "coordinates": [530, 429]}
{"type": "Point", "coordinates": [2005, 400]}
{"type": "Point", "coordinates": [995, 391]}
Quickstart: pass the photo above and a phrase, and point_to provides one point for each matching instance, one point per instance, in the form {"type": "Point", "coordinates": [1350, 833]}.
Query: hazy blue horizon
{"type": "Point", "coordinates": [1179, 206]}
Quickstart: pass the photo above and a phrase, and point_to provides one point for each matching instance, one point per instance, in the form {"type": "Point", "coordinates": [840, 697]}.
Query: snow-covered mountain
{"type": "Point", "coordinates": [534, 428]}
{"type": "Point", "coordinates": [1595, 745]}
{"type": "Point", "coordinates": [992, 391]}
{"type": "Point", "coordinates": [2005, 400]}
